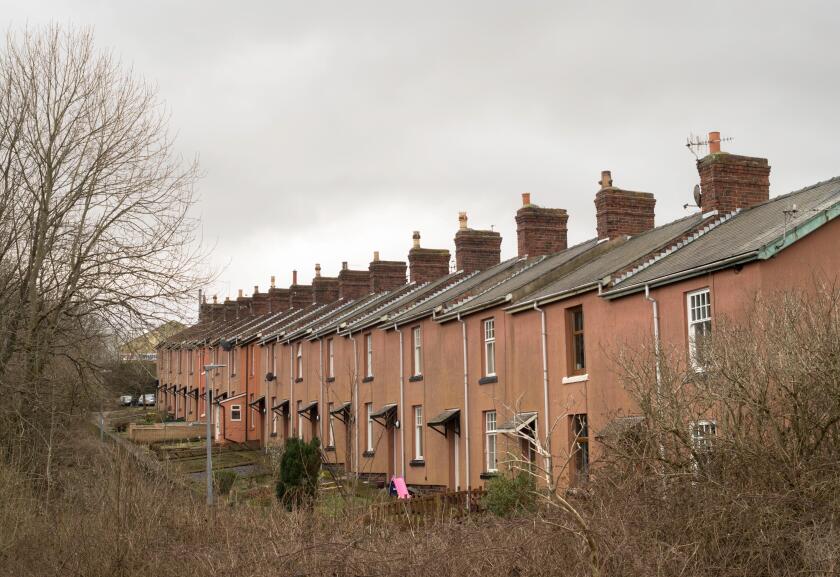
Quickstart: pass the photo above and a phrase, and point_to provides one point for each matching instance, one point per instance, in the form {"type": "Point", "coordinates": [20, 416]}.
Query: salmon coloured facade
{"type": "Point", "coordinates": [443, 377]}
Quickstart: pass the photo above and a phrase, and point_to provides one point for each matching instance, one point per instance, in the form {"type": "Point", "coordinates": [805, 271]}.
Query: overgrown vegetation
{"type": "Point", "coordinates": [509, 494]}
{"type": "Point", "coordinates": [223, 480]}
{"type": "Point", "coordinates": [300, 465]}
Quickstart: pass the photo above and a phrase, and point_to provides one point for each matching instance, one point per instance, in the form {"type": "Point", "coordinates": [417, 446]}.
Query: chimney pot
{"type": "Point", "coordinates": [256, 289]}
{"type": "Point", "coordinates": [376, 256]}
{"type": "Point", "coordinates": [462, 220]}
{"type": "Point", "coordinates": [606, 179]}
{"type": "Point", "coordinates": [415, 239]}
{"type": "Point", "coordinates": [215, 299]}
{"type": "Point", "coordinates": [294, 277]}
{"type": "Point", "coordinates": [272, 281]}
{"type": "Point", "coordinates": [344, 265]}
{"type": "Point", "coordinates": [526, 198]}
{"type": "Point", "coordinates": [240, 293]}
{"type": "Point", "coordinates": [714, 142]}
{"type": "Point", "coordinates": [317, 270]}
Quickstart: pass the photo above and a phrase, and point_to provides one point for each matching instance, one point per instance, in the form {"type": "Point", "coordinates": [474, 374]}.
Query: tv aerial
{"type": "Point", "coordinates": [699, 147]}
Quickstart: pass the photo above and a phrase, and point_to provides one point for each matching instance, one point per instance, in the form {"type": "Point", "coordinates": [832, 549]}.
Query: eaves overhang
{"type": "Point", "coordinates": [550, 298]}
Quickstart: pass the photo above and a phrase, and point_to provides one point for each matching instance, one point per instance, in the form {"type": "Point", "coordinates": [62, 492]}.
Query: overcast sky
{"type": "Point", "coordinates": [328, 130]}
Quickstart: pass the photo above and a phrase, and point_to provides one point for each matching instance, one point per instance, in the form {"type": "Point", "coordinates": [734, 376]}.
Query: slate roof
{"type": "Point", "coordinates": [622, 255]}
{"type": "Point", "coordinates": [745, 234]}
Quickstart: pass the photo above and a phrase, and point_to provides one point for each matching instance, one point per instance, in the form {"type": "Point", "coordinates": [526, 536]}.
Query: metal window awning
{"type": "Point", "coordinates": [218, 399]}
{"type": "Point", "coordinates": [517, 423]}
{"type": "Point", "coordinates": [450, 418]}
{"type": "Point", "coordinates": [309, 410]}
{"type": "Point", "coordinates": [281, 408]}
{"type": "Point", "coordinates": [258, 404]}
{"type": "Point", "coordinates": [619, 427]}
{"type": "Point", "coordinates": [386, 415]}
{"type": "Point", "coordinates": [182, 391]}
{"type": "Point", "coordinates": [194, 394]}
{"type": "Point", "coordinates": [174, 388]}
{"type": "Point", "coordinates": [342, 413]}
{"type": "Point", "coordinates": [226, 399]}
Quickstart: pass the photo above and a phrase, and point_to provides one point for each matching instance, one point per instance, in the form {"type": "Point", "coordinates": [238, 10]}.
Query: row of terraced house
{"type": "Point", "coordinates": [440, 376]}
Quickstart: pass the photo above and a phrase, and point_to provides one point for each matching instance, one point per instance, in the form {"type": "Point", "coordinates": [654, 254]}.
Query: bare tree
{"type": "Point", "coordinates": [95, 234]}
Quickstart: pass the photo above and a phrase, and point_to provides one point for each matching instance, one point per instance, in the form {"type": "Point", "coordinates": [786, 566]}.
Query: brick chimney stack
{"type": "Point", "coordinates": [244, 305]}
{"type": "Point", "coordinates": [324, 288]}
{"type": "Point", "coordinates": [217, 310]}
{"type": "Point", "coordinates": [730, 181]}
{"type": "Point", "coordinates": [278, 299]}
{"type": "Point", "coordinates": [231, 308]}
{"type": "Point", "coordinates": [386, 275]}
{"type": "Point", "coordinates": [476, 249]}
{"type": "Point", "coordinates": [204, 309]}
{"type": "Point", "coordinates": [539, 230]}
{"type": "Point", "coordinates": [426, 264]}
{"type": "Point", "coordinates": [300, 295]}
{"type": "Point", "coordinates": [622, 212]}
{"type": "Point", "coordinates": [259, 302]}
{"type": "Point", "coordinates": [353, 284]}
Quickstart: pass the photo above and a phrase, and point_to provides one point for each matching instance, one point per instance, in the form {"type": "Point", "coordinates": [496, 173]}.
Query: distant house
{"type": "Point", "coordinates": [143, 348]}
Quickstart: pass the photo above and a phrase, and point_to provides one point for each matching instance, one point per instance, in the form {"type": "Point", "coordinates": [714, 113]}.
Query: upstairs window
{"type": "Point", "coordinates": [369, 355]}
{"type": "Point", "coordinates": [576, 350]}
{"type": "Point", "coordinates": [299, 363]}
{"type": "Point", "coordinates": [699, 304]}
{"type": "Point", "coordinates": [191, 361]}
{"type": "Point", "coordinates": [330, 359]}
{"type": "Point", "coordinates": [702, 435]}
{"type": "Point", "coordinates": [273, 416]}
{"type": "Point", "coordinates": [253, 359]}
{"type": "Point", "coordinates": [417, 348]}
{"type": "Point", "coordinates": [490, 347]}
{"type": "Point", "coordinates": [490, 459]}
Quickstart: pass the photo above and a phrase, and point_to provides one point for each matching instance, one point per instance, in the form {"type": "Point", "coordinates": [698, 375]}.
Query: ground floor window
{"type": "Point", "coordinates": [580, 448]}
{"type": "Point", "coordinates": [236, 412]}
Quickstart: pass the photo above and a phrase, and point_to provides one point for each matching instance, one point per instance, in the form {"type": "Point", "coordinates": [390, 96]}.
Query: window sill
{"type": "Point", "coordinates": [575, 379]}
{"type": "Point", "coordinates": [273, 434]}
{"type": "Point", "coordinates": [368, 454]}
{"type": "Point", "coordinates": [488, 475]}
{"type": "Point", "coordinates": [329, 449]}
{"type": "Point", "coordinates": [299, 380]}
{"type": "Point", "coordinates": [330, 379]}
{"type": "Point", "coordinates": [488, 380]}
{"type": "Point", "coordinates": [415, 378]}
{"type": "Point", "coordinates": [367, 379]}
{"type": "Point", "coordinates": [417, 463]}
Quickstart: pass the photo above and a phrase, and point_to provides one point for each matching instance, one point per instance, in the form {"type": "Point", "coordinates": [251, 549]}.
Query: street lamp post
{"type": "Point", "coordinates": [209, 394]}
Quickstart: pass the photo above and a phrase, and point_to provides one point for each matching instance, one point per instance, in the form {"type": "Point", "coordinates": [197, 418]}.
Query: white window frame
{"type": "Point", "coordinates": [417, 346]}
{"type": "Point", "coordinates": [253, 359]}
{"type": "Point", "coordinates": [368, 412]}
{"type": "Point", "coordinates": [330, 358]}
{"type": "Point", "coordinates": [490, 442]}
{"type": "Point", "coordinates": [273, 416]}
{"type": "Point", "coordinates": [236, 409]}
{"type": "Point", "coordinates": [299, 361]}
{"type": "Point", "coordinates": [702, 432]}
{"type": "Point", "coordinates": [418, 433]}
{"type": "Point", "coordinates": [699, 314]}
{"type": "Point", "coordinates": [490, 348]}
{"type": "Point", "coordinates": [299, 421]}
{"type": "Point", "coordinates": [330, 431]}
{"type": "Point", "coordinates": [369, 355]}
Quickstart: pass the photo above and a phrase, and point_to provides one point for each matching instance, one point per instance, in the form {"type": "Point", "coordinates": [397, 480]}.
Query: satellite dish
{"type": "Point", "coordinates": [698, 196]}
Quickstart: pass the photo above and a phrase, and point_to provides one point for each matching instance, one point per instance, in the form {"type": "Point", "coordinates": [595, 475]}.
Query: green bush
{"type": "Point", "coordinates": [224, 480]}
{"type": "Point", "coordinates": [300, 465]}
{"type": "Point", "coordinates": [507, 495]}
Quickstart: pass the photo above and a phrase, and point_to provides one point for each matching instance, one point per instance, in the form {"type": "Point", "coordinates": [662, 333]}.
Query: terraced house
{"type": "Point", "coordinates": [441, 377]}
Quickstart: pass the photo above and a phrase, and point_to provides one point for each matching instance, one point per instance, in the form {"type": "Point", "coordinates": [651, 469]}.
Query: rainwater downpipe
{"type": "Point", "coordinates": [402, 404]}
{"type": "Point", "coordinates": [657, 354]}
{"type": "Point", "coordinates": [466, 401]}
{"type": "Point", "coordinates": [356, 406]}
{"type": "Point", "coordinates": [321, 403]}
{"type": "Point", "coordinates": [547, 426]}
{"type": "Point", "coordinates": [292, 404]}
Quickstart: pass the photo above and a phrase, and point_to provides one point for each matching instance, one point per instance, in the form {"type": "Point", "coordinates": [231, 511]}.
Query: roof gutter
{"type": "Point", "coordinates": [529, 304]}
{"type": "Point", "coordinates": [678, 276]}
